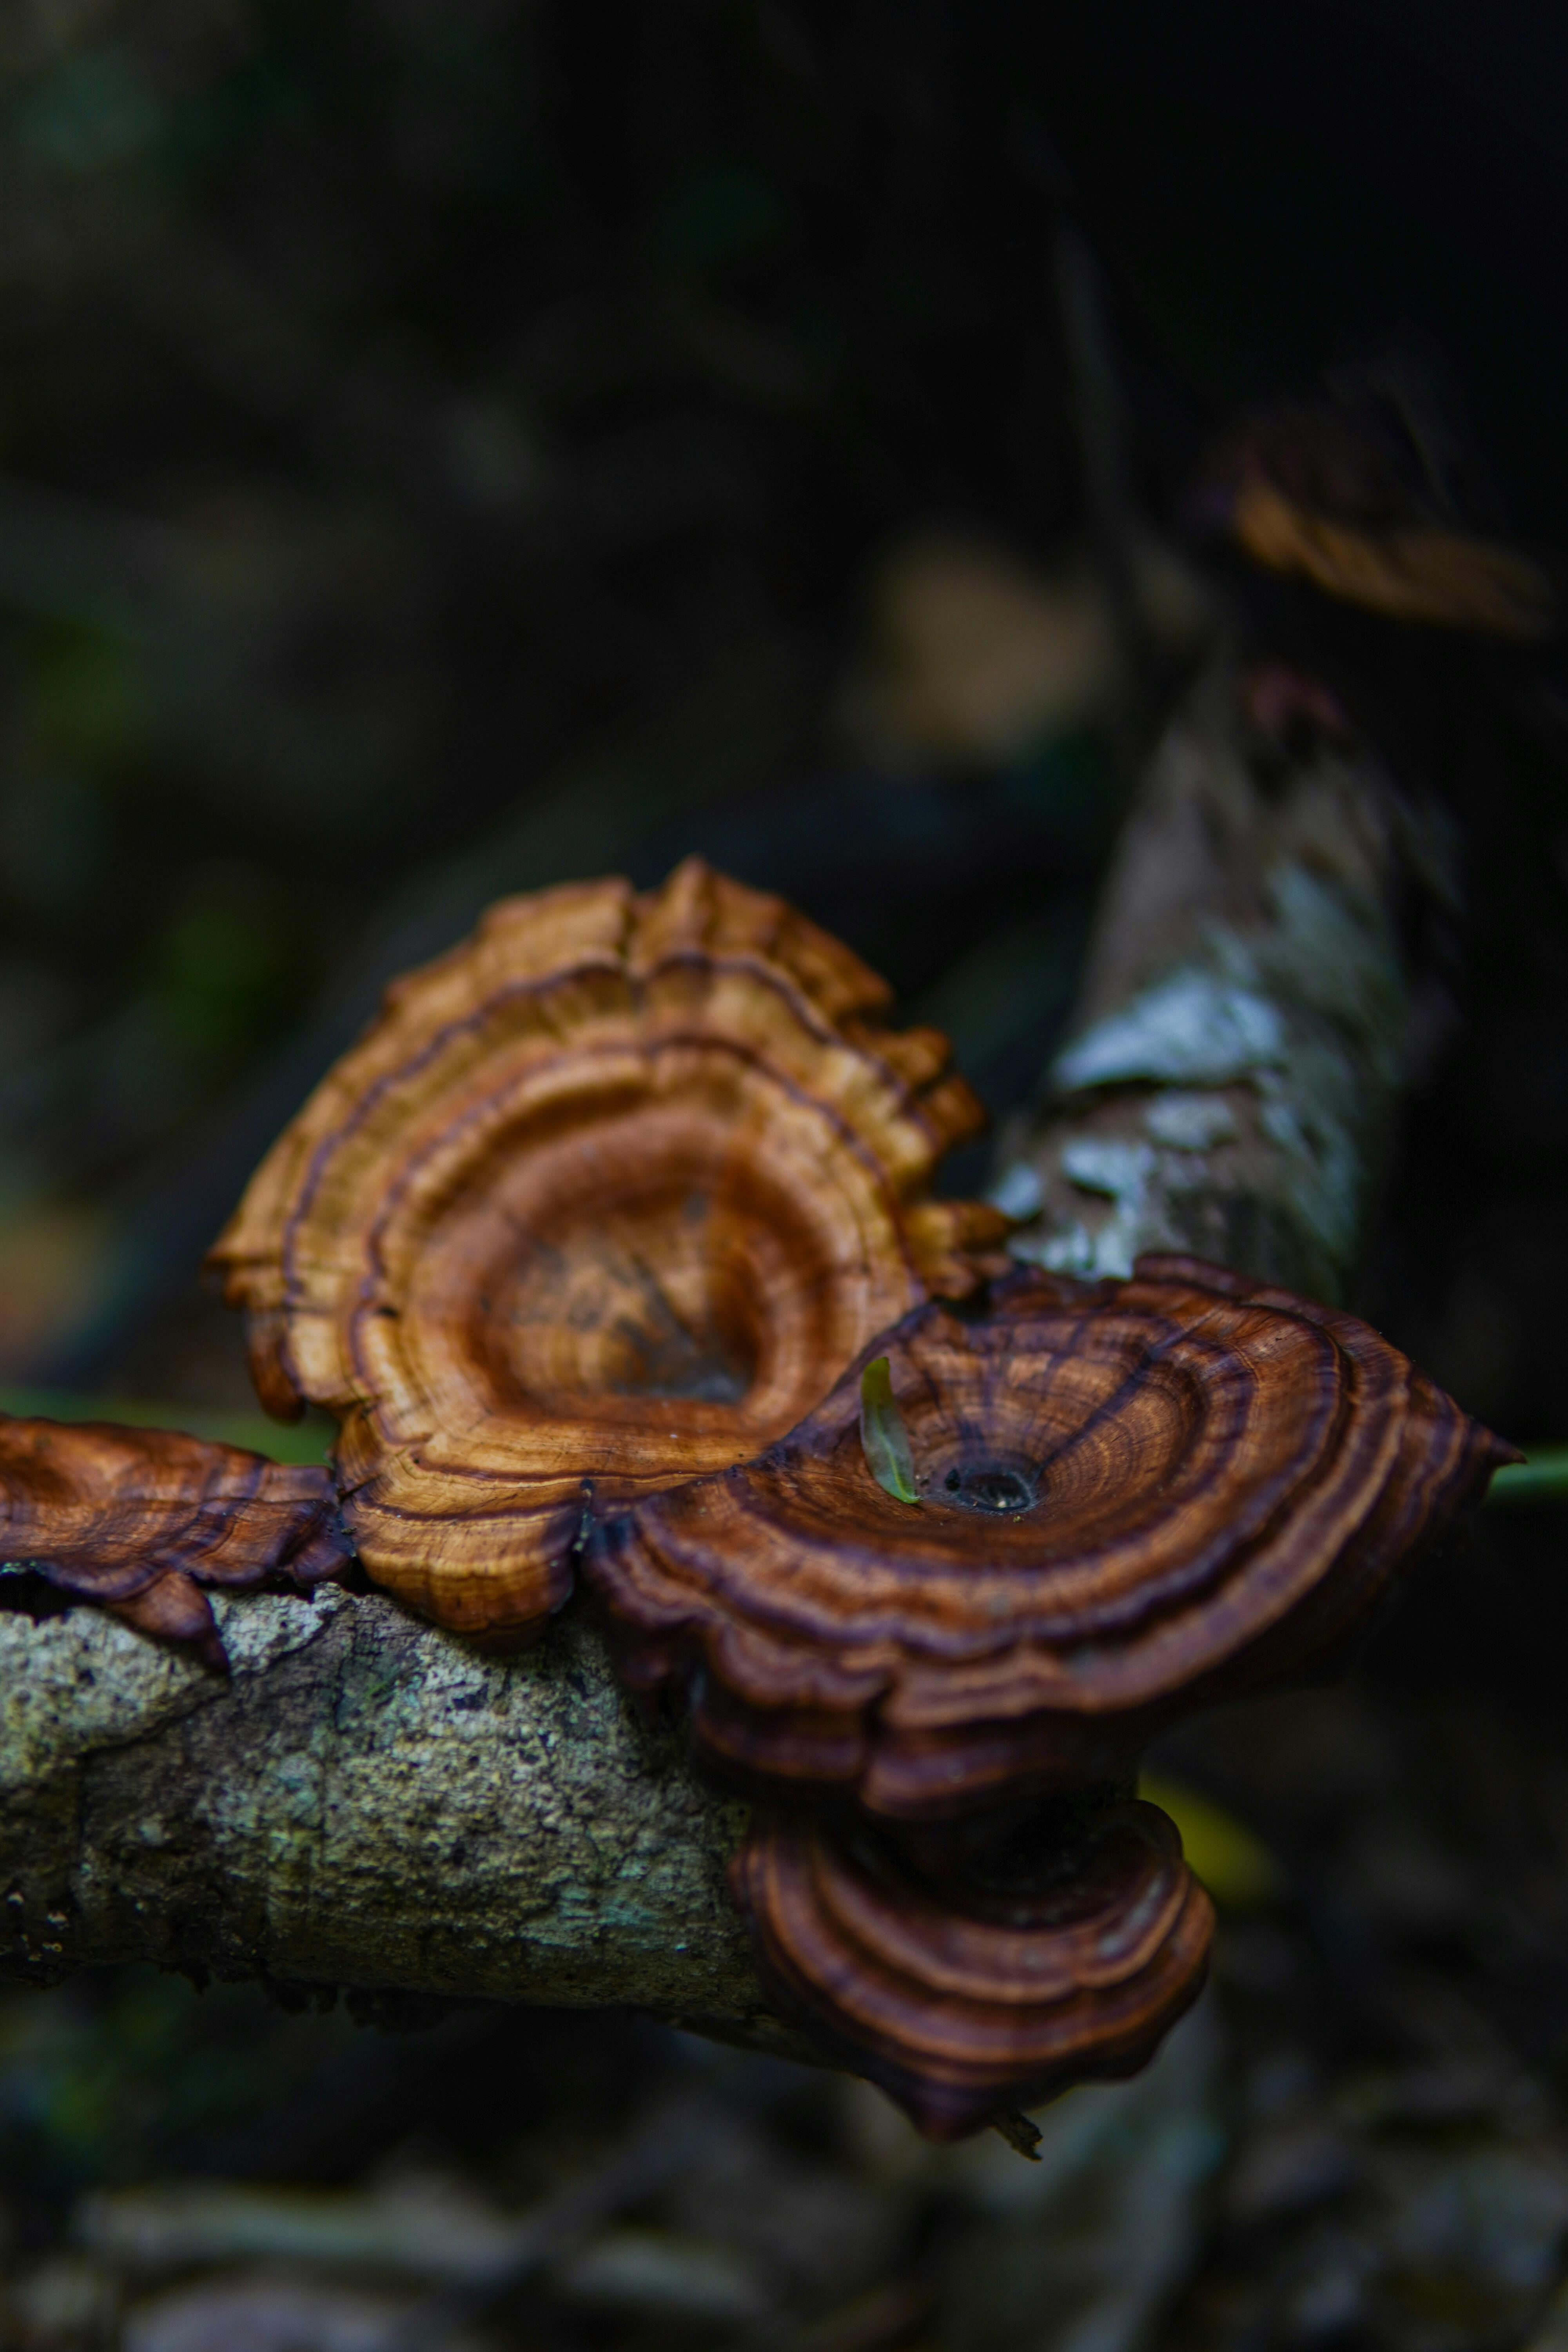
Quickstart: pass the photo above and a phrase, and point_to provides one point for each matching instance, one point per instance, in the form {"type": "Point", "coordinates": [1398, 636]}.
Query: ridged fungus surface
{"type": "Point", "coordinates": [1132, 1497]}
{"type": "Point", "coordinates": [607, 1198]}
{"type": "Point", "coordinates": [965, 1999]}
{"type": "Point", "coordinates": [138, 1520]}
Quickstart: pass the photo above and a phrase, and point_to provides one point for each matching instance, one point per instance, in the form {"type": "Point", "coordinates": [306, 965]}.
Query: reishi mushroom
{"type": "Point", "coordinates": [604, 1198]}
{"type": "Point", "coordinates": [140, 1520]}
{"type": "Point", "coordinates": [1134, 1497]}
{"type": "Point", "coordinates": [965, 1998]}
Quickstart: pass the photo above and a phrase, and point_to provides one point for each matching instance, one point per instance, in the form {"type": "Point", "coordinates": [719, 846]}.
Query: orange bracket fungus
{"type": "Point", "coordinates": [138, 1520]}
{"type": "Point", "coordinates": [1348, 492]}
{"type": "Point", "coordinates": [1136, 1496]}
{"type": "Point", "coordinates": [960, 2001]}
{"type": "Point", "coordinates": [1437, 577]}
{"type": "Point", "coordinates": [607, 1198]}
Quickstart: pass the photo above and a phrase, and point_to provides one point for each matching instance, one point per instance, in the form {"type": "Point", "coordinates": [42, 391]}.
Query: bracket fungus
{"type": "Point", "coordinates": [964, 2000]}
{"type": "Point", "coordinates": [604, 1198]}
{"type": "Point", "coordinates": [138, 1520]}
{"type": "Point", "coordinates": [1351, 493]}
{"type": "Point", "coordinates": [1439, 577]}
{"type": "Point", "coordinates": [1137, 1497]}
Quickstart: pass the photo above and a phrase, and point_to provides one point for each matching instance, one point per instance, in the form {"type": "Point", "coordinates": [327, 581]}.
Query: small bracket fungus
{"type": "Point", "coordinates": [967, 2000]}
{"type": "Point", "coordinates": [607, 1198]}
{"type": "Point", "coordinates": [1353, 493]}
{"type": "Point", "coordinates": [138, 1520]}
{"type": "Point", "coordinates": [1438, 577]}
{"type": "Point", "coordinates": [1137, 1497]}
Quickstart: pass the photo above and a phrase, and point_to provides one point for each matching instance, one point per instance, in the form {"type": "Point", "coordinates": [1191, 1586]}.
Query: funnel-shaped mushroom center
{"type": "Point", "coordinates": [632, 1298]}
{"type": "Point", "coordinates": [644, 1268]}
{"type": "Point", "coordinates": [603, 1270]}
{"type": "Point", "coordinates": [989, 1484]}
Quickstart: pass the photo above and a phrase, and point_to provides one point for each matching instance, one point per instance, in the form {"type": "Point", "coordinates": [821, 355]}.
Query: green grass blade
{"type": "Point", "coordinates": [1542, 1479]}
{"type": "Point", "coordinates": [885, 1439]}
{"type": "Point", "coordinates": [307, 1441]}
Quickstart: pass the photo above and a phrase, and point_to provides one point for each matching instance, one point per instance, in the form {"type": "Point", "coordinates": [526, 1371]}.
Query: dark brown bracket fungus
{"type": "Point", "coordinates": [138, 1520]}
{"type": "Point", "coordinates": [964, 2001]}
{"type": "Point", "coordinates": [607, 1198]}
{"type": "Point", "coordinates": [1138, 1496]}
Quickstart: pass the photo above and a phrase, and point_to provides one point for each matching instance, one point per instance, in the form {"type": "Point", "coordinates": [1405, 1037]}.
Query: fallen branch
{"type": "Point", "coordinates": [370, 1804]}
{"type": "Point", "coordinates": [1230, 1083]}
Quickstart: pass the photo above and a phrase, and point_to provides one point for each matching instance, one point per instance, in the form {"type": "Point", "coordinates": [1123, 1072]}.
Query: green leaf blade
{"type": "Point", "coordinates": [1542, 1478]}
{"type": "Point", "coordinates": [883, 1437]}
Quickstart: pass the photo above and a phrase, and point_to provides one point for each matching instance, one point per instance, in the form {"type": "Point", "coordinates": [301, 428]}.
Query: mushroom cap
{"type": "Point", "coordinates": [960, 2002]}
{"type": "Point", "coordinates": [1442, 578]}
{"type": "Point", "coordinates": [1133, 1497]}
{"type": "Point", "coordinates": [607, 1198]}
{"type": "Point", "coordinates": [1360, 495]}
{"type": "Point", "coordinates": [138, 1520]}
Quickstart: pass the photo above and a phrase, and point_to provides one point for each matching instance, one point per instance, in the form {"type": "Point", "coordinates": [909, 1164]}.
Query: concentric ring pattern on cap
{"type": "Point", "coordinates": [957, 2002]}
{"type": "Point", "coordinates": [607, 1197]}
{"type": "Point", "coordinates": [1134, 1496]}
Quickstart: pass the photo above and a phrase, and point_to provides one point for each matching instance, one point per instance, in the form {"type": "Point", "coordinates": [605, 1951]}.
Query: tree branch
{"type": "Point", "coordinates": [366, 1803]}
{"type": "Point", "coordinates": [1230, 1084]}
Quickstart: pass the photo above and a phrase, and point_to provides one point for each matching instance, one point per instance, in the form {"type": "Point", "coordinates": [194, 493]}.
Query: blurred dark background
{"type": "Point", "coordinates": [440, 451]}
{"type": "Point", "coordinates": [444, 449]}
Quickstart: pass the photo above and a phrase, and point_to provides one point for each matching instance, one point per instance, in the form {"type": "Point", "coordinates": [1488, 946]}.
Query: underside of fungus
{"type": "Point", "coordinates": [140, 1520]}
{"type": "Point", "coordinates": [1132, 1498]}
{"type": "Point", "coordinates": [967, 1998]}
{"type": "Point", "coordinates": [606, 1199]}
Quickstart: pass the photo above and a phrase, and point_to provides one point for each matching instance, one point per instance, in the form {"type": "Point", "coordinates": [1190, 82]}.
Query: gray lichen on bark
{"type": "Point", "coordinates": [1230, 1084]}
{"type": "Point", "coordinates": [367, 1802]}
{"type": "Point", "coordinates": [370, 1804]}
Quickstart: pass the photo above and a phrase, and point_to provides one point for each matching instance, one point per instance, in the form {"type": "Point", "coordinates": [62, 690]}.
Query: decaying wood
{"type": "Point", "coordinates": [370, 1802]}
{"type": "Point", "coordinates": [1230, 1087]}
